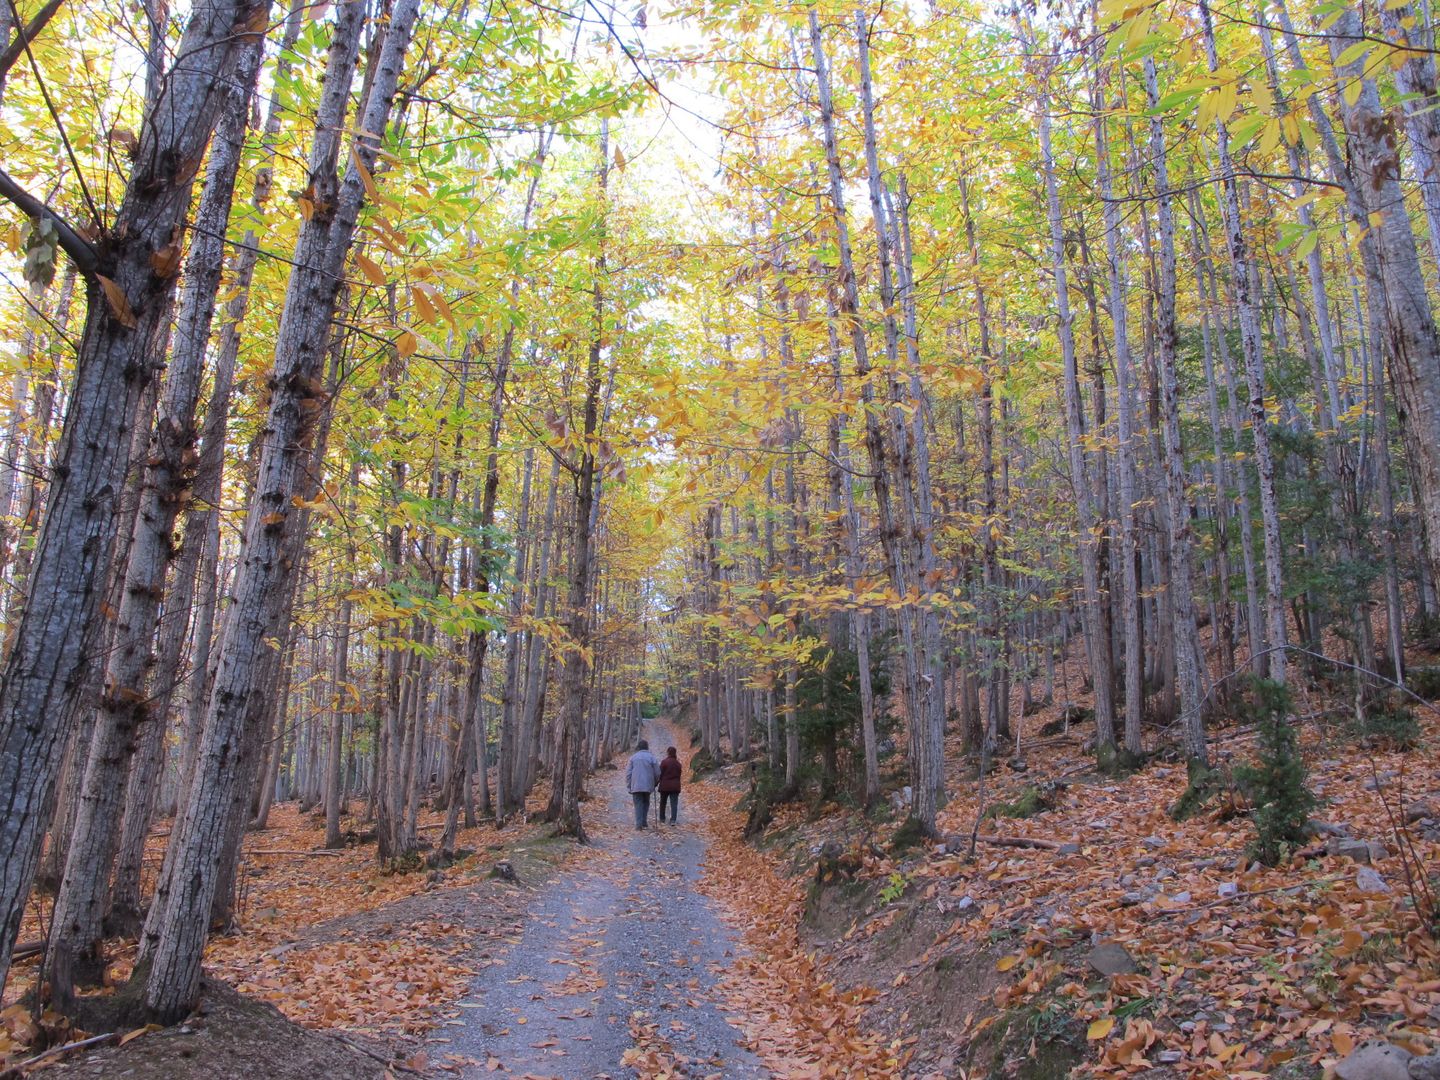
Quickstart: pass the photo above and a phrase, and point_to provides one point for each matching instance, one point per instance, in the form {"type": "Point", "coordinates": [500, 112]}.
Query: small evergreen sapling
{"type": "Point", "coordinates": [1276, 781]}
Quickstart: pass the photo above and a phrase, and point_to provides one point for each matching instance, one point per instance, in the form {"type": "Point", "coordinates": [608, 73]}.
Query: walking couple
{"type": "Point", "coordinates": [644, 775]}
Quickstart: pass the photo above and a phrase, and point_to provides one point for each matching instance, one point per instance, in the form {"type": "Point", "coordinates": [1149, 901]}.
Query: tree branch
{"type": "Point", "coordinates": [86, 260]}
{"type": "Point", "coordinates": [26, 34]}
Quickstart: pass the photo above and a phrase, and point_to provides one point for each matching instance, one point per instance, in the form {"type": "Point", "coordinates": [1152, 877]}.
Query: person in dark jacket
{"type": "Point", "coordinates": [640, 778]}
{"type": "Point", "coordinates": [669, 787]}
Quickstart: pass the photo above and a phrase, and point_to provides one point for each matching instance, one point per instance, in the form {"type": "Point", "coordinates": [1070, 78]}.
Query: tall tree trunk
{"type": "Point", "coordinates": [564, 808]}
{"type": "Point", "coordinates": [1182, 584]}
{"type": "Point", "coordinates": [125, 709]}
{"type": "Point", "coordinates": [129, 313]}
{"type": "Point", "coordinates": [1412, 341]}
{"type": "Point", "coordinates": [1252, 348]}
{"type": "Point", "coordinates": [169, 965]}
{"type": "Point", "coordinates": [1101, 667]}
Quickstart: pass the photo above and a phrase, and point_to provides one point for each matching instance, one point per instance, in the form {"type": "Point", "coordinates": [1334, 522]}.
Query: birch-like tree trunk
{"type": "Point", "coordinates": [1125, 433]}
{"type": "Point", "coordinates": [1101, 667]}
{"type": "Point", "coordinates": [1412, 341]}
{"type": "Point", "coordinates": [1247, 305]}
{"type": "Point", "coordinates": [1181, 537]}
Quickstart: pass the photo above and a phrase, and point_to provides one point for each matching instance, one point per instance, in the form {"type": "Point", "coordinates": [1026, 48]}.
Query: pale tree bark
{"type": "Point", "coordinates": [340, 697]}
{"type": "Point", "coordinates": [1101, 668]}
{"type": "Point", "coordinates": [169, 965]}
{"type": "Point", "coordinates": [922, 677]}
{"type": "Point", "coordinates": [1414, 78]}
{"type": "Point", "coordinates": [1412, 341]}
{"type": "Point", "coordinates": [1125, 433]}
{"type": "Point", "coordinates": [929, 766]}
{"type": "Point", "coordinates": [55, 639]}
{"type": "Point", "coordinates": [568, 777]}
{"type": "Point", "coordinates": [1276, 636]}
{"type": "Point", "coordinates": [1181, 538]}
{"type": "Point", "coordinates": [509, 798]}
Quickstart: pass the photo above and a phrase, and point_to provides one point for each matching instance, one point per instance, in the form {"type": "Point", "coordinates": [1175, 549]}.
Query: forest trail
{"type": "Point", "coordinates": [618, 964]}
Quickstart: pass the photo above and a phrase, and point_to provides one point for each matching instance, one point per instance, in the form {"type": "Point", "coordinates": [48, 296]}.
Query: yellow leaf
{"type": "Point", "coordinates": [1098, 1029]}
{"type": "Point", "coordinates": [1138, 30]}
{"type": "Point", "coordinates": [1225, 101]}
{"type": "Point", "coordinates": [365, 177]}
{"type": "Point", "coordinates": [1270, 137]}
{"type": "Point", "coordinates": [1005, 963]}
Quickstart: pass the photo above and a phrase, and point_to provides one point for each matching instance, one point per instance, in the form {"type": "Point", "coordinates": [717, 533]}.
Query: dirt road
{"type": "Point", "coordinates": [615, 971]}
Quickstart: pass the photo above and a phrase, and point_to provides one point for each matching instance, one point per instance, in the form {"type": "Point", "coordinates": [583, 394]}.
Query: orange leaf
{"type": "Point", "coordinates": [371, 269]}
{"type": "Point", "coordinates": [119, 305]}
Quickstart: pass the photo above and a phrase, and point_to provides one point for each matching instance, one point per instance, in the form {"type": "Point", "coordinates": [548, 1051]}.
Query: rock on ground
{"type": "Point", "coordinates": [1375, 1060]}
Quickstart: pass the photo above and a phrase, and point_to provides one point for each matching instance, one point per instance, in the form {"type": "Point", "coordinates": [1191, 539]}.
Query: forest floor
{"type": "Point", "coordinates": [1127, 943]}
{"type": "Point", "coordinates": [671, 952]}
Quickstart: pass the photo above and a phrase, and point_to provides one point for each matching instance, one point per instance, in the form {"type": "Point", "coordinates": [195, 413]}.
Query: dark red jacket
{"type": "Point", "coordinates": [670, 770]}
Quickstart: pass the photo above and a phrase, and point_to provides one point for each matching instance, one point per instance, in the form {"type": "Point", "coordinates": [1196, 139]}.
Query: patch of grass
{"type": "Point", "coordinates": [407, 863]}
{"type": "Point", "coordinates": [702, 762]}
{"type": "Point", "coordinates": [1205, 784]}
{"type": "Point", "coordinates": [1128, 1010]}
{"type": "Point", "coordinates": [1032, 800]}
{"type": "Point", "coordinates": [1378, 949]}
{"type": "Point", "coordinates": [1039, 1042]}
{"type": "Point", "coordinates": [1116, 761]}
{"type": "Point", "coordinates": [909, 835]}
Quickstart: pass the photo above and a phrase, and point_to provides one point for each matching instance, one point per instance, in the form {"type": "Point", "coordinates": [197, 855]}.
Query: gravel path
{"type": "Point", "coordinates": [617, 964]}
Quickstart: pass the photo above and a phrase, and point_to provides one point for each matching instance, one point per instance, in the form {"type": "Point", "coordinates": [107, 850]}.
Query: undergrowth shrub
{"type": "Point", "coordinates": [1276, 781]}
{"type": "Point", "coordinates": [702, 762]}
{"type": "Point", "coordinates": [1389, 724]}
{"type": "Point", "coordinates": [910, 834]}
{"type": "Point", "coordinates": [1204, 785]}
{"type": "Point", "coordinates": [1425, 682]}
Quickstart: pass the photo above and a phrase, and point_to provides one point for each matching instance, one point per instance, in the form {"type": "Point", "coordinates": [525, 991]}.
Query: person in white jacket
{"type": "Point", "coordinates": [641, 776]}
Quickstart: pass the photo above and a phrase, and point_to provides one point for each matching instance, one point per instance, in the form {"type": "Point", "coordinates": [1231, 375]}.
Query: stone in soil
{"type": "Point", "coordinates": [1109, 958]}
{"type": "Point", "coordinates": [1375, 1059]}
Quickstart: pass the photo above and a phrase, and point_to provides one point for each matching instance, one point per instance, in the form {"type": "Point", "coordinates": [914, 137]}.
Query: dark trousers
{"type": "Point", "coordinates": [673, 799]}
{"type": "Point", "coordinates": [642, 807]}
